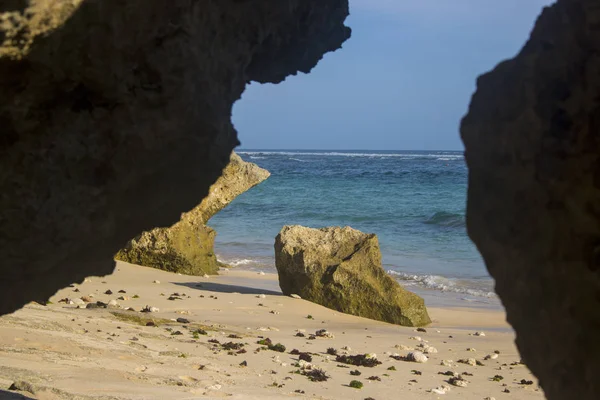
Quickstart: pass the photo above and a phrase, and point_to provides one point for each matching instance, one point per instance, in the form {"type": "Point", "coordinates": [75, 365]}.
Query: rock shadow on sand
{"type": "Point", "coordinates": [5, 395]}
{"type": "Point", "coordinates": [224, 288]}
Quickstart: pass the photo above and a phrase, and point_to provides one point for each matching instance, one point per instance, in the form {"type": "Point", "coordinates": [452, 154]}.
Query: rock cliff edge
{"type": "Point", "coordinates": [115, 118]}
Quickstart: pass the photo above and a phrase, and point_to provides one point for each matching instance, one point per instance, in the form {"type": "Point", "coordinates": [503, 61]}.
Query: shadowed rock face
{"type": "Point", "coordinates": [532, 138]}
{"type": "Point", "coordinates": [187, 247]}
{"type": "Point", "coordinates": [340, 268]}
{"type": "Point", "coordinates": [115, 118]}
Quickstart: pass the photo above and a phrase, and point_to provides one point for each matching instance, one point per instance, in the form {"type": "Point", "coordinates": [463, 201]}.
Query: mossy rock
{"type": "Point", "coordinates": [340, 268]}
{"type": "Point", "coordinates": [187, 247]}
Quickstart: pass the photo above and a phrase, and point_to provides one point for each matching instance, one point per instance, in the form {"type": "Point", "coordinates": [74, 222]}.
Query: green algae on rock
{"type": "Point", "coordinates": [187, 247]}
{"type": "Point", "coordinates": [340, 268]}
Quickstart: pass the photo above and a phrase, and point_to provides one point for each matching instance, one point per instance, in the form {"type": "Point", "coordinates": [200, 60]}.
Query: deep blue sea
{"type": "Point", "coordinates": [413, 200]}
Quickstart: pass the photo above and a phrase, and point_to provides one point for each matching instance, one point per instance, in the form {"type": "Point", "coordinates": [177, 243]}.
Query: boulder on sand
{"type": "Point", "coordinates": [187, 247]}
{"type": "Point", "coordinates": [340, 268]}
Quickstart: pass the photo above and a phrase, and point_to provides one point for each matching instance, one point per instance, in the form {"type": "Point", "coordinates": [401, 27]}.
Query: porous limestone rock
{"type": "Point", "coordinates": [187, 247]}
{"type": "Point", "coordinates": [340, 268]}
{"type": "Point", "coordinates": [115, 117]}
{"type": "Point", "coordinates": [532, 139]}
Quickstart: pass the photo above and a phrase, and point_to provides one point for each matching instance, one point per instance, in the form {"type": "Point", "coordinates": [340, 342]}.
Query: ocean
{"type": "Point", "coordinates": [413, 200]}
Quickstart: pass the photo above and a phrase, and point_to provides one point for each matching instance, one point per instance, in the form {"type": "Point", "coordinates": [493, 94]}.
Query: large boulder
{"type": "Point", "coordinates": [115, 117]}
{"type": "Point", "coordinates": [340, 268]}
{"type": "Point", "coordinates": [187, 247]}
{"type": "Point", "coordinates": [532, 139]}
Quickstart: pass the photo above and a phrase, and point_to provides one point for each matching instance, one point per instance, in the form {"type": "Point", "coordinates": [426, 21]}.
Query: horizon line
{"type": "Point", "coordinates": [315, 149]}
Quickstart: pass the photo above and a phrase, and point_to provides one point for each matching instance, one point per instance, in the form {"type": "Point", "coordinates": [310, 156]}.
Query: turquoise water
{"type": "Point", "coordinates": [413, 200]}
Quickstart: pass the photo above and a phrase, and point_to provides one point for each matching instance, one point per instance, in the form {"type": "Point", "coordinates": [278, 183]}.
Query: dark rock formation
{"type": "Point", "coordinates": [340, 268]}
{"type": "Point", "coordinates": [532, 138]}
{"type": "Point", "coordinates": [115, 118]}
{"type": "Point", "coordinates": [187, 247]}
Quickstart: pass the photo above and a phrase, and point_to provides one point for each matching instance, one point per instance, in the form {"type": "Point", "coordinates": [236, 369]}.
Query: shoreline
{"type": "Point", "coordinates": [439, 289]}
{"type": "Point", "coordinates": [102, 354]}
{"type": "Point", "coordinates": [434, 297]}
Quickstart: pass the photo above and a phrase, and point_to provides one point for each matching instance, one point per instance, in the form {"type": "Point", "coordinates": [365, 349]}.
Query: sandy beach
{"type": "Point", "coordinates": [66, 351]}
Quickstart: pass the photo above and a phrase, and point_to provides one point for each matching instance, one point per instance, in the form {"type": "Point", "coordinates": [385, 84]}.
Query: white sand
{"type": "Point", "coordinates": [67, 352]}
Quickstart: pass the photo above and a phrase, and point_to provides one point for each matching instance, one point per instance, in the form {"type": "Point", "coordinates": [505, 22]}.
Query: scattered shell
{"type": "Point", "coordinates": [206, 276]}
{"type": "Point", "coordinates": [78, 302]}
{"type": "Point", "coordinates": [295, 296]}
{"type": "Point", "coordinates": [214, 387]}
{"type": "Point", "coordinates": [261, 296]}
{"type": "Point", "coordinates": [261, 273]}
{"type": "Point", "coordinates": [471, 349]}
{"type": "Point", "coordinates": [479, 333]}
{"type": "Point", "coordinates": [469, 361]}
{"type": "Point", "coordinates": [447, 363]}
{"type": "Point", "coordinates": [156, 281]}
{"type": "Point", "coordinates": [150, 309]}
{"type": "Point", "coordinates": [416, 356]}
{"type": "Point", "coordinates": [491, 357]}
{"type": "Point", "coordinates": [441, 389]}
{"type": "Point", "coordinates": [458, 381]}
{"type": "Point", "coordinates": [417, 338]}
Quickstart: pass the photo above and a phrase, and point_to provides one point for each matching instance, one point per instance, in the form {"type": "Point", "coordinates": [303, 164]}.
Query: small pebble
{"type": "Point", "coordinates": [295, 296]}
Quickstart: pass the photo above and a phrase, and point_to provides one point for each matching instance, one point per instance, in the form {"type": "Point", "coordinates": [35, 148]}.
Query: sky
{"type": "Point", "coordinates": [402, 81]}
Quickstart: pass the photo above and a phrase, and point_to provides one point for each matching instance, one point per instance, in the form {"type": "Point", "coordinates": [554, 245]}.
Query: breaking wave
{"type": "Point", "coordinates": [444, 284]}
{"type": "Point", "coordinates": [446, 220]}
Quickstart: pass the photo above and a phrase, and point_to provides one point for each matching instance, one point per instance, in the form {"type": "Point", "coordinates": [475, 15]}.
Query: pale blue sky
{"type": "Point", "coordinates": [402, 82]}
